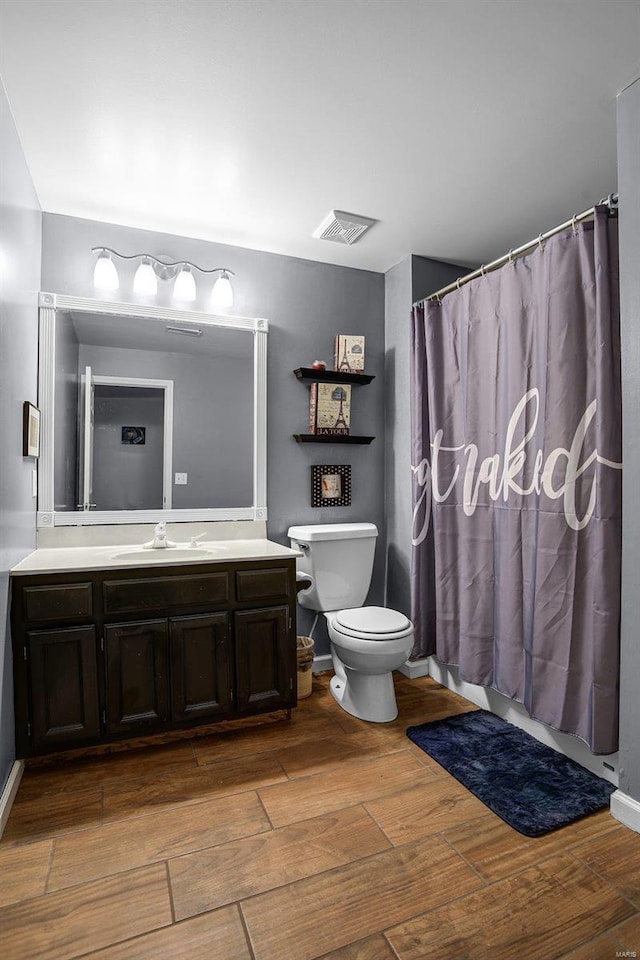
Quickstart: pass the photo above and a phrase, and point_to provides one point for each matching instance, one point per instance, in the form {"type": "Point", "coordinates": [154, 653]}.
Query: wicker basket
{"type": "Point", "coordinates": [305, 666]}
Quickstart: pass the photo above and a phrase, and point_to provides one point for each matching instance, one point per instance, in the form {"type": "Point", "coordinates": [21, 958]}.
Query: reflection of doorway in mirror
{"type": "Point", "coordinates": [123, 474]}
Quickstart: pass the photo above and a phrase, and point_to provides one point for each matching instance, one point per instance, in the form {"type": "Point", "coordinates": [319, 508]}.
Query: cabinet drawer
{"type": "Point", "coordinates": [62, 601]}
{"type": "Point", "coordinates": [164, 593]}
{"type": "Point", "coordinates": [270, 583]}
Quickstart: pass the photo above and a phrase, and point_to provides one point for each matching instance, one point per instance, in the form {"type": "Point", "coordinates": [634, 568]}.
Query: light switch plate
{"type": "Point", "coordinates": [181, 479]}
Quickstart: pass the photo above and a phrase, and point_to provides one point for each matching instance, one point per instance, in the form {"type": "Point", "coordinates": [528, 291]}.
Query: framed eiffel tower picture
{"type": "Point", "coordinates": [348, 356]}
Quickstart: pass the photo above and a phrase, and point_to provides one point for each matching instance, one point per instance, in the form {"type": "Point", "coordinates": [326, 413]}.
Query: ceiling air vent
{"type": "Point", "coordinates": [341, 227]}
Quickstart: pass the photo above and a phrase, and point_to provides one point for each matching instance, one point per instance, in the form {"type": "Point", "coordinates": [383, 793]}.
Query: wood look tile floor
{"type": "Point", "coordinates": [320, 837]}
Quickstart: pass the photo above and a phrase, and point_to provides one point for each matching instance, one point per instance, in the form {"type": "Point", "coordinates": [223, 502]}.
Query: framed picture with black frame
{"type": "Point", "coordinates": [30, 430]}
{"type": "Point", "coordinates": [331, 485]}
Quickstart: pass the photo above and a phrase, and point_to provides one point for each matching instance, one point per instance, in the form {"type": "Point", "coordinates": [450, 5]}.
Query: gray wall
{"type": "Point", "coordinates": [66, 418]}
{"type": "Point", "coordinates": [307, 303]}
{"type": "Point", "coordinates": [408, 281]}
{"type": "Point", "coordinates": [213, 416]}
{"type": "Point", "coordinates": [20, 236]}
{"type": "Point", "coordinates": [127, 476]}
{"type": "Point", "coordinates": [629, 191]}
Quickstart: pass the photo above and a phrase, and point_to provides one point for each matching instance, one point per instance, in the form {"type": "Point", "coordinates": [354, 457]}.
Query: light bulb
{"type": "Point", "coordinates": [185, 286]}
{"type": "Point", "coordinates": [145, 282]}
{"type": "Point", "coordinates": [105, 275]}
{"type": "Point", "coordinates": [222, 292]}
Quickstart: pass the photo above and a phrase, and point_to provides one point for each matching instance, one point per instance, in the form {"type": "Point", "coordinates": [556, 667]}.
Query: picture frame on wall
{"type": "Point", "coordinates": [331, 485]}
{"type": "Point", "coordinates": [30, 430]}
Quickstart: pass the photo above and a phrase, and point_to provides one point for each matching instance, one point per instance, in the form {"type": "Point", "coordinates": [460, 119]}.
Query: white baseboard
{"type": "Point", "coordinates": [9, 792]}
{"type": "Point", "coordinates": [515, 713]}
{"type": "Point", "coordinates": [625, 809]}
{"type": "Point", "coordinates": [322, 663]}
{"type": "Point", "coordinates": [415, 668]}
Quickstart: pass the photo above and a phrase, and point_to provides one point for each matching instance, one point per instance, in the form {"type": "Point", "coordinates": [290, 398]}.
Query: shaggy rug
{"type": "Point", "coordinates": [530, 786]}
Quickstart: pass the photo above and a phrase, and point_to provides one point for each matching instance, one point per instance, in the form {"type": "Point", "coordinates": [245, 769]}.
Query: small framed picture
{"type": "Point", "coordinates": [30, 430]}
{"type": "Point", "coordinates": [134, 435]}
{"type": "Point", "coordinates": [331, 485]}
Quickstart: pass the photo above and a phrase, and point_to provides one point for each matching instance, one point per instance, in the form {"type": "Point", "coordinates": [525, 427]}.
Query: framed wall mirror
{"type": "Point", "coordinates": [149, 413]}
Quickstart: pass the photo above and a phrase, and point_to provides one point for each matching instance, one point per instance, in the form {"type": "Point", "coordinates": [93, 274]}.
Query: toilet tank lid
{"type": "Point", "coordinates": [332, 531]}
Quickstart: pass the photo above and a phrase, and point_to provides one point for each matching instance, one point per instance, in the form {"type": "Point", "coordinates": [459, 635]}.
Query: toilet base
{"type": "Point", "coordinates": [367, 697]}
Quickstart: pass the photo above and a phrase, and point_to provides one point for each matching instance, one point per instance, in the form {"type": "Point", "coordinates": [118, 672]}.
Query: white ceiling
{"type": "Point", "coordinates": [465, 127]}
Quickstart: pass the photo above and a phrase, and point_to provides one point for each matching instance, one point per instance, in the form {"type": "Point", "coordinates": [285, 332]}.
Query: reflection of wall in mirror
{"type": "Point", "coordinates": [213, 417]}
{"type": "Point", "coordinates": [66, 414]}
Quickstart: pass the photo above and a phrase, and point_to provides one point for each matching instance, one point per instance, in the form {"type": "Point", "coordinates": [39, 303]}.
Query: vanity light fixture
{"type": "Point", "coordinates": [145, 281]}
{"type": "Point", "coordinates": [185, 286]}
{"type": "Point", "coordinates": [222, 292]}
{"type": "Point", "coordinates": [152, 269]}
{"type": "Point", "coordinates": [105, 275]}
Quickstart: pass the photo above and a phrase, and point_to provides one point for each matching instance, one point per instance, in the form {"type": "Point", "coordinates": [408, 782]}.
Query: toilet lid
{"type": "Point", "coordinates": [373, 620]}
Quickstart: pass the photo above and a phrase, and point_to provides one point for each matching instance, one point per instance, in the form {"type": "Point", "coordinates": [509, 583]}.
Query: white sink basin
{"type": "Point", "coordinates": [168, 555]}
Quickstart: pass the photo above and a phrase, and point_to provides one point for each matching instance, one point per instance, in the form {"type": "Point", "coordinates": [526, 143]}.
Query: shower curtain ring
{"type": "Point", "coordinates": [511, 257]}
{"type": "Point", "coordinates": [483, 271]}
{"type": "Point", "coordinates": [540, 243]}
{"type": "Point", "coordinates": [574, 225]}
{"type": "Point", "coordinates": [458, 282]}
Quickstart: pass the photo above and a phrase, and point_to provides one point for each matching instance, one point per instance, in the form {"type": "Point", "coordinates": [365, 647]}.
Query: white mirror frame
{"type": "Point", "coordinates": [47, 516]}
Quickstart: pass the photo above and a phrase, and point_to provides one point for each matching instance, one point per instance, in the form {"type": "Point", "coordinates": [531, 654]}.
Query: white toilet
{"type": "Point", "coordinates": [367, 643]}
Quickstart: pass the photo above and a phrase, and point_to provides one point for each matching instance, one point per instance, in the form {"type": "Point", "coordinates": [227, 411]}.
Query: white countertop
{"type": "Point", "coordinates": [69, 559]}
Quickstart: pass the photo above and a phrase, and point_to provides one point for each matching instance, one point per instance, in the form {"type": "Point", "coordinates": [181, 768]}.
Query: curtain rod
{"type": "Point", "coordinates": [609, 201]}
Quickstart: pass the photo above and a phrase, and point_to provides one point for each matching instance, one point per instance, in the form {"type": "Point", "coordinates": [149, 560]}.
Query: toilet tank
{"type": "Point", "coordinates": [338, 557]}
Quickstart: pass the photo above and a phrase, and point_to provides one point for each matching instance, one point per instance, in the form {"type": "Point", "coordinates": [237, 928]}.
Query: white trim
{"type": "Point", "coordinates": [167, 440]}
{"type": "Point", "coordinates": [625, 809]}
{"type": "Point", "coordinates": [9, 792]}
{"type": "Point", "coordinates": [415, 668]}
{"type": "Point", "coordinates": [87, 439]}
{"type": "Point", "coordinates": [322, 663]}
{"type": "Point", "coordinates": [260, 421]}
{"type": "Point", "coordinates": [46, 515]}
{"type": "Point", "coordinates": [100, 517]}
{"type": "Point", "coordinates": [57, 301]}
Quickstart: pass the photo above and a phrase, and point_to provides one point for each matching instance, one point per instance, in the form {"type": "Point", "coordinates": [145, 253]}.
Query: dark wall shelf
{"type": "Point", "coordinates": [333, 376]}
{"type": "Point", "coordinates": [330, 438]}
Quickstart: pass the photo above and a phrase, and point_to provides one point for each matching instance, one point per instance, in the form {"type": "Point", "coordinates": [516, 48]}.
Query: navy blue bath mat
{"type": "Point", "coordinates": [530, 786]}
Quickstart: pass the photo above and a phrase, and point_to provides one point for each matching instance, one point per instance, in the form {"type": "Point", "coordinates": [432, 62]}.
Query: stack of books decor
{"type": "Point", "coordinates": [348, 354]}
{"type": "Point", "coordinates": [330, 408]}
{"type": "Point", "coordinates": [330, 394]}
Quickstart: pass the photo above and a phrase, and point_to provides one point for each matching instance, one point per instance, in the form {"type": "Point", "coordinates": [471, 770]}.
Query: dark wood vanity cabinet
{"type": "Point", "coordinates": [145, 650]}
{"type": "Point", "coordinates": [64, 680]}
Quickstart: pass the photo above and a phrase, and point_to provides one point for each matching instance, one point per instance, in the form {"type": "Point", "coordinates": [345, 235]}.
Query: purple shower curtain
{"type": "Point", "coordinates": [516, 433]}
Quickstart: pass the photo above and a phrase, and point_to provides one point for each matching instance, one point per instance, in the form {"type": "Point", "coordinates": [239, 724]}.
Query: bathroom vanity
{"type": "Point", "coordinates": [115, 643]}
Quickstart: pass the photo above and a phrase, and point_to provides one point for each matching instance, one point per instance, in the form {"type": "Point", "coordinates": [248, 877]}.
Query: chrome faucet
{"type": "Point", "coordinates": [197, 539]}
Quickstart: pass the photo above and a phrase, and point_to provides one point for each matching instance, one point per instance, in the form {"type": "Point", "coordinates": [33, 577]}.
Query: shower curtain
{"type": "Point", "coordinates": [516, 463]}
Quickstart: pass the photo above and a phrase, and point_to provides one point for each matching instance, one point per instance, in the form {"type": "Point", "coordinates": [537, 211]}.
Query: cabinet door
{"type": "Point", "coordinates": [263, 655]}
{"type": "Point", "coordinates": [137, 675]}
{"type": "Point", "coordinates": [63, 685]}
{"type": "Point", "coordinates": [200, 665]}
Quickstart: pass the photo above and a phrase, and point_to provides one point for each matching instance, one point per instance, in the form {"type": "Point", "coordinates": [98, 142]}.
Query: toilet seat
{"type": "Point", "coordinates": [372, 620]}
{"type": "Point", "coordinates": [374, 624]}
